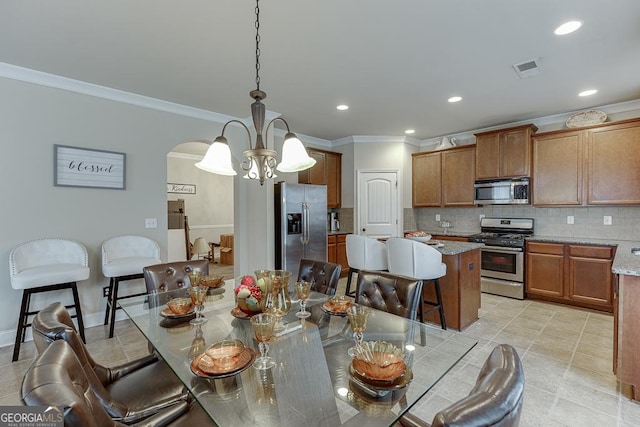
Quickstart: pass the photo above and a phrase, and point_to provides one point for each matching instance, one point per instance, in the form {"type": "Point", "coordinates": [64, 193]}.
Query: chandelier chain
{"type": "Point", "coordinates": [257, 45]}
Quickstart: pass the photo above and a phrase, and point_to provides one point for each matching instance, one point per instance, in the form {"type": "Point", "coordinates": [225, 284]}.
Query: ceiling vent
{"type": "Point", "coordinates": [527, 68]}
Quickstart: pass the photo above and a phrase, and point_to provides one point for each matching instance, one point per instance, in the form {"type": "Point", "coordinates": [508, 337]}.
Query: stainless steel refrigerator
{"type": "Point", "coordinates": [301, 224]}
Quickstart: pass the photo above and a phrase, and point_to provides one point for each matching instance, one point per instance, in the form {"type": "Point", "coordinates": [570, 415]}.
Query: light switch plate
{"type": "Point", "coordinates": [437, 217]}
{"type": "Point", "coordinates": [151, 223]}
{"type": "Point", "coordinates": [607, 220]}
{"type": "Point", "coordinates": [570, 219]}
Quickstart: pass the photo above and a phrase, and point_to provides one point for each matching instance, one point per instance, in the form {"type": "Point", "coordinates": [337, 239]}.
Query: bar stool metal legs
{"type": "Point", "coordinates": [437, 305]}
{"type": "Point", "coordinates": [112, 299]}
{"type": "Point", "coordinates": [348, 292]}
{"type": "Point", "coordinates": [23, 319]}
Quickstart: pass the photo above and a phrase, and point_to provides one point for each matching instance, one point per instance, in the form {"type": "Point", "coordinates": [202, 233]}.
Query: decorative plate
{"type": "Point", "coordinates": [168, 314]}
{"type": "Point", "coordinates": [329, 308]}
{"type": "Point", "coordinates": [202, 369]}
{"type": "Point", "coordinates": [239, 314]}
{"type": "Point", "coordinates": [586, 118]}
{"type": "Point", "coordinates": [398, 383]}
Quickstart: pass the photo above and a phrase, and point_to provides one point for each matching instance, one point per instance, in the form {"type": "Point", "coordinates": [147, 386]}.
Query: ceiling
{"type": "Point", "coordinates": [395, 63]}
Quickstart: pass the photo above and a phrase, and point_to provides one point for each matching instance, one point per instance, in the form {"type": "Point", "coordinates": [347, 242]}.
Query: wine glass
{"type": "Point", "coordinates": [263, 324]}
{"type": "Point", "coordinates": [358, 316]}
{"type": "Point", "coordinates": [277, 300]}
{"type": "Point", "coordinates": [195, 275]}
{"type": "Point", "coordinates": [198, 294]}
{"type": "Point", "coordinates": [302, 292]}
{"type": "Point", "coordinates": [198, 344]}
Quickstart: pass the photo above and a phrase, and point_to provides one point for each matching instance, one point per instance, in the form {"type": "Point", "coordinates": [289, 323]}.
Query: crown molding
{"type": "Point", "coordinates": [27, 75]}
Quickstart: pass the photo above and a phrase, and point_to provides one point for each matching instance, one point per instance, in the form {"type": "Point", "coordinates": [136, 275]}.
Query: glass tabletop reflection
{"type": "Point", "coordinates": [312, 382]}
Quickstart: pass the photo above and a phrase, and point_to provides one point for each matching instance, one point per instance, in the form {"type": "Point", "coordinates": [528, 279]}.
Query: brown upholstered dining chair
{"type": "Point", "coordinates": [56, 378]}
{"type": "Point", "coordinates": [172, 275]}
{"type": "Point", "coordinates": [387, 292]}
{"type": "Point", "coordinates": [324, 276]}
{"type": "Point", "coordinates": [495, 400]}
{"type": "Point", "coordinates": [127, 392]}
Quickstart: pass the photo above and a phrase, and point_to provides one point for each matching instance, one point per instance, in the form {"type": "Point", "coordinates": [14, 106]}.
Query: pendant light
{"type": "Point", "coordinates": [260, 161]}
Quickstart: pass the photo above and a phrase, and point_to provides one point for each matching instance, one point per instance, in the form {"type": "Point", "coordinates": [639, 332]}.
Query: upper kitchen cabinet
{"type": "Point", "coordinates": [444, 178]}
{"type": "Point", "coordinates": [504, 153]}
{"type": "Point", "coordinates": [597, 165]}
{"type": "Point", "coordinates": [613, 156]}
{"type": "Point", "coordinates": [557, 168]}
{"type": "Point", "coordinates": [327, 171]}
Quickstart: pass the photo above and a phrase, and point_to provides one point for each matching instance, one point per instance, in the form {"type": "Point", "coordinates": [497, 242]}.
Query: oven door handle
{"type": "Point", "coordinates": [502, 248]}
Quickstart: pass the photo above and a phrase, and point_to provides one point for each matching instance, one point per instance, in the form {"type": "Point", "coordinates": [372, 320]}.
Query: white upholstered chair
{"type": "Point", "coordinates": [45, 265]}
{"type": "Point", "coordinates": [420, 261]}
{"type": "Point", "coordinates": [123, 258]}
{"type": "Point", "coordinates": [364, 253]}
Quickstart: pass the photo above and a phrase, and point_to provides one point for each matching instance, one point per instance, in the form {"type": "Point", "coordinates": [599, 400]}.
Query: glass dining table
{"type": "Point", "coordinates": [312, 382]}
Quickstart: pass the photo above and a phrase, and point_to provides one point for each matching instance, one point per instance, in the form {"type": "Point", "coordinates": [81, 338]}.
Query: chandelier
{"type": "Point", "coordinates": [260, 161]}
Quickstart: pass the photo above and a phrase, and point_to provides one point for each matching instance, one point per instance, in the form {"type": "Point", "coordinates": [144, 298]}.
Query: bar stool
{"type": "Point", "coordinates": [123, 258]}
{"type": "Point", "coordinates": [364, 253]}
{"type": "Point", "coordinates": [419, 261]}
{"type": "Point", "coordinates": [45, 265]}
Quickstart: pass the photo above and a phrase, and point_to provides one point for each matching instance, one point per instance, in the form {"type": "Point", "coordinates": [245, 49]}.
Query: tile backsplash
{"type": "Point", "coordinates": [588, 222]}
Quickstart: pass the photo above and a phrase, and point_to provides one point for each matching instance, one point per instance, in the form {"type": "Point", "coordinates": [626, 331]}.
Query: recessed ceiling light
{"type": "Point", "coordinates": [455, 99]}
{"type": "Point", "coordinates": [409, 131]}
{"type": "Point", "coordinates": [587, 92]}
{"type": "Point", "coordinates": [567, 27]}
{"type": "Point", "coordinates": [342, 107]}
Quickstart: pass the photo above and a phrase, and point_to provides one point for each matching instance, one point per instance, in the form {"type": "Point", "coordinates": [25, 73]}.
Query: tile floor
{"type": "Point", "coordinates": [566, 353]}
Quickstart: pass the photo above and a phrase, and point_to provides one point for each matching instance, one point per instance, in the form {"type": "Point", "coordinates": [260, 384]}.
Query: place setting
{"type": "Point", "coordinates": [378, 369]}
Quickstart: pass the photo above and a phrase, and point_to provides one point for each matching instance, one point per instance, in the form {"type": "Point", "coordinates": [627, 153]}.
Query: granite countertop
{"type": "Point", "coordinates": [454, 248]}
{"type": "Point", "coordinates": [337, 232]}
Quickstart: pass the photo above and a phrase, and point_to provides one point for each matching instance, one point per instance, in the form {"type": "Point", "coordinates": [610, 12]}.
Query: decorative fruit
{"type": "Point", "coordinates": [261, 284]}
{"type": "Point", "coordinates": [248, 281]}
{"type": "Point", "coordinates": [243, 292]}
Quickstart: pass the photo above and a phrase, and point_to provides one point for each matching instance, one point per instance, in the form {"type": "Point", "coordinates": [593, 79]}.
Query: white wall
{"type": "Point", "coordinates": [33, 118]}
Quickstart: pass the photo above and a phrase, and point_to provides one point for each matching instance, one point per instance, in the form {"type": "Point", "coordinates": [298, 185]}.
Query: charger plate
{"type": "Point", "coordinates": [245, 359]}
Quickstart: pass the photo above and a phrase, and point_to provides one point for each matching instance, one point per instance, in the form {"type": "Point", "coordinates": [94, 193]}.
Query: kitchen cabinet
{"type": "Point", "coordinates": [337, 251]}
{"type": "Point", "coordinates": [573, 274]}
{"type": "Point", "coordinates": [558, 168]}
{"type": "Point", "coordinates": [626, 337]}
{"type": "Point", "coordinates": [504, 153]}
{"type": "Point", "coordinates": [449, 237]}
{"type": "Point", "coordinates": [426, 179]}
{"type": "Point", "coordinates": [613, 157]}
{"type": "Point", "coordinates": [460, 289]}
{"type": "Point", "coordinates": [596, 165]}
{"type": "Point", "coordinates": [444, 178]}
{"type": "Point", "coordinates": [327, 171]}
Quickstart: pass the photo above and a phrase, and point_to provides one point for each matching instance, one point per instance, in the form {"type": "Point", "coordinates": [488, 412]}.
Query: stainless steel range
{"type": "Point", "coordinates": [502, 257]}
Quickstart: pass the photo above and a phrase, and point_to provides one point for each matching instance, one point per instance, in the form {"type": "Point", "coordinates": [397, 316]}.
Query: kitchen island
{"type": "Point", "coordinates": [460, 287]}
{"type": "Point", "coordinates": [626, 323]}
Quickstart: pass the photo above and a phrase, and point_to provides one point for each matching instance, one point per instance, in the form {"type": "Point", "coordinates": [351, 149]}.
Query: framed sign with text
{"type": "Point", "coordinates": [181, 188]}
{"type": "Point", "coordinates": [83, 167]}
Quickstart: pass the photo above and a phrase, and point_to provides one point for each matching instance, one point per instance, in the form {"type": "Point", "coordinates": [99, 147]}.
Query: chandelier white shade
{"type": "Point", "coordinates": [260, 161]}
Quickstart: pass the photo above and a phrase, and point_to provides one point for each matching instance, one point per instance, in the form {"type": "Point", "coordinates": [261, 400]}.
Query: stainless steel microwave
{"type": "Point", "coordinates": [502, 192]}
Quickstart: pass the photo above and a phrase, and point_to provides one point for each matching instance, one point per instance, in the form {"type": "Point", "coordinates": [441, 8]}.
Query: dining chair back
{"type": "Point", "coordinates": [127, 392]}
{"type": "Point", "coordinates": [495, 400]}
{"type": "Point", "coordinates": [364, 253]}
{"type": "Point", "coordinates": [324, 276]}
{"type": "Point", "coordinates": [420, 261]}
{"type": "Point", "coordinates": [45, 265]}
{"type": "Point", "coordinates": [172, 275]}
{"type": "Point", "coordinates": [56, 379]}
{"type": "Point", "coordinates": [123, 258]}
{"type": "Point", "coordinates": [387, 292]}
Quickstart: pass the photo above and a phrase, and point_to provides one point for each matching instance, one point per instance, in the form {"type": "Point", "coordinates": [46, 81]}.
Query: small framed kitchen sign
{"type": "Point", "coordinates": [83, 167]}
{"type": "Point", "coordinates": [181, 188]}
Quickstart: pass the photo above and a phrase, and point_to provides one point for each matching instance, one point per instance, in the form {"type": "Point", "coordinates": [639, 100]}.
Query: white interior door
{"type": "Point", "coordinates": [378, 204]}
